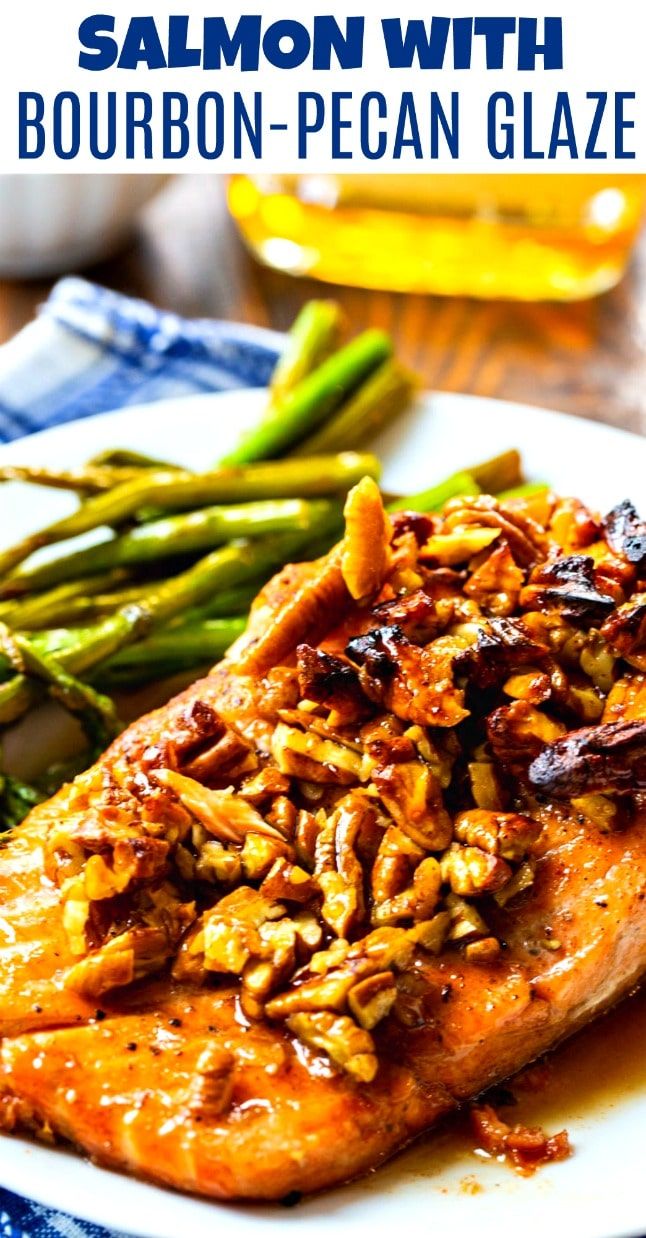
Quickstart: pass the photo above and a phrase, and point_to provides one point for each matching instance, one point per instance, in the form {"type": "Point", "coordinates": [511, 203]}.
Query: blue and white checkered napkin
{"type": "Point", "coordinates": [89, 351]}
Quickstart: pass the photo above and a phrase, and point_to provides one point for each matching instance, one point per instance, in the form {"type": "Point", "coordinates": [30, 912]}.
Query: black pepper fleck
{"type": "Point", "coordinates": [291, 1199]}
{"type": "Point", "coordinates": [132, 1047]}
{"type": "Point", "coordinates": [174, 1022]}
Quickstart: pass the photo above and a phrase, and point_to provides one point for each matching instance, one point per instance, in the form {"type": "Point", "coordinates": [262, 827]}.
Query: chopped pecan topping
{"type": "Point", "coordinates": [625, 629]}
{"type": "Point", "coordinates": [418, 523]}
{"type": "Point", "coordinates": [483, 951]}
{"type": "Point", "coordinates": [331, 682]}
{"type": "Point", "coordinates": [132, 955]}
{"type": "Point", "coordinates": [383, 796]}
{"type": "Point", "coordinates": [418, 901]}
{"type": "Point", "coordinates": [470, 870]}
{"type": "Point", "coordinates": [626, 702]}
{"type": "Point", "coordinates": [497, 582]}
{"type": "Point", "coordinates": [338, 868]}
{"type": "Point", "coordinates": [412, 795]}
{"type": "Point", "coordinates": [501, 645]}
{"type": "Point", "coordinates": [366, 546]}
{"type": "Point", "coordinates": [458, 546]}
{"type": "Point", "coordinates": [626, 534]}
{"type": "Point", "coordinates": [518, 732]}
{"type": "Point", "coordinates": [466, 923]}
{"type": "Point", "coordinates": [568, 585]}
{"type": "Point", "coordinates": [394, 863]}
{"type": "Point", "coordinates": [523, 535]}
{"type": "Point", "coordinates": [288, 882]}
{"type": "Point", "coordinates": [351, 1047]}
{"type": "Point", "coordinates": [211, 1089]}
{"type": "Point", "coordinates": [506, 834]}
{"type": "Point", "coordinates": [416, 615]}
{"type": "Point", "coordinates": [262, 786]}
{"type": "Point", "coordinates": [522, 880]}
{"type": "Point", "coordinates": [372, 999]}
{"type": "Point", "coordinates": [611, 757]}
{"type": "Point", "coordinates": [415, 684]}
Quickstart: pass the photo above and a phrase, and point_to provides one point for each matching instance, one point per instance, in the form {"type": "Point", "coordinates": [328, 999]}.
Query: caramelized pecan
{"type": "Point", "coordinates": [501, 646]}
{"type": "Point", "coordinates": [625, 629]}
{"type": "Point", "coordinates": [568, 585]}
{"type": "Point", "coordinates": [626, 533]}
{"type": "Point", "coordinates": [611, 757]}
{"type": "Point", "coordinates": [412, 795]}
{"type": "Point", "coordinates": [330, 681]}
{"type": "Point", "coordinates": [415, 683]}
{"type": "Point", "coordinates": [518, 732]}
{"type": "Point", "coordinates": [415, 615]}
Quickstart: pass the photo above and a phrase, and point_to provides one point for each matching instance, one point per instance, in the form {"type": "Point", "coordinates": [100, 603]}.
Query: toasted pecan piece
{"type": "Point", "coordinates": [496, 583]}
{"type": "Point", "coordinates": [348, 1045]}
{"type": "Point", "coordinates": [524, 536]}
{"type": "Point", "coordinates": [625, 629]}
{"type": "Point", "coordinates": [611, 757]}
{"type": "Point", "coordinates": [365, 548]}
{"type": "Point", "coordinates": [568, 585]}
{"type": "Point", "coordinates": [507, 834]}
{"type": "Point", "coordinates": [415, 614]}
{"type": "Point", "coordinates": [501, 646]}
{"type": "Point", "coordinates": [518, 733]}
{"type": "Point", "coordinates": [211, 1088]}
{"type": "Point", "coordinates": [412, 795]}
{"type": "Point", "coordinates": [626, 533]}
{"type": "Point", "coordinates": [471, 871]}
{"type": "Point", "coordinates": [330, 681]}
{"type": "Point", "coordinates": [415, 684]}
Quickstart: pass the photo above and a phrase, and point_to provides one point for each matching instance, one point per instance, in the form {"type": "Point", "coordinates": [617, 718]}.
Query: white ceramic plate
{"type": "Point", "coordinates": [430, 1189]}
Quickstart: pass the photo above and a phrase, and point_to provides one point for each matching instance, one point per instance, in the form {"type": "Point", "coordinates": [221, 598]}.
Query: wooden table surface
{"type": "Point", "coordinates": [587, 358]}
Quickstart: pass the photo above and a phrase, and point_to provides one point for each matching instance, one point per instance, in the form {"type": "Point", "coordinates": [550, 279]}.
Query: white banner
{"type": "Point", "coordinates": [383, 87]}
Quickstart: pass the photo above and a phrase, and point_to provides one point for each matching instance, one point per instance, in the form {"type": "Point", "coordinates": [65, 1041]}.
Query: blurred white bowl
{"type": "Point", "coordinates": [50, 223]}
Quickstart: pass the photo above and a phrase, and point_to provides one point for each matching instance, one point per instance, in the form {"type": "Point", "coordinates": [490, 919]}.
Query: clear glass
{"type": "Point", "coordinates": [529, 237]}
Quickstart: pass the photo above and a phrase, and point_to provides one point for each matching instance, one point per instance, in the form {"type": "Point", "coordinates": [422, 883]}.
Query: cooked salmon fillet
{"type": "Point", "coordinates": [273, 989]}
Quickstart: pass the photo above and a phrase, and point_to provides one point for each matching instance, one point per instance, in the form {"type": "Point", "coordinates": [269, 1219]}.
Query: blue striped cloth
{"type": "Point", "coordinates": [89, 351]}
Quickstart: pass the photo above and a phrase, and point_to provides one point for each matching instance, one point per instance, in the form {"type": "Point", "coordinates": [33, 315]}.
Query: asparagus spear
{"type": "Point", "coordinates": [499, 473]}
{"type": "Point", "coordinates": [381, 398]}
{"type": "Point", "coordinates": [315, 398]}
{"type": "Point", "coordinates": [167, 652]}
{"type": "Point", "coordinates": [45, 610]}
{"type": "Point", "coordinates": [121, 457]}
{"type": "Point", "coordinates": [20, 692]}
{"type": "Point", "coordinates": [433, 500]}
{"type": "Point", "coordinates": [177, 535]}
{"type": "Point", "coordinates": [93, 606]}
{"type": "Point", "coordinates": [180, 491]}
{"type": "Point", "coordinates": [225, 568]}
{"type": "Point", "coordinates": [312, 337]}
{"type": "Point", "coordinates": [526, 491]}
{"type": "Point", "coordinates": [16, 800]}
{"type": "Point", "coordinates": [95, 711]}
{"type": "Point", "coordinates": [88, 480]}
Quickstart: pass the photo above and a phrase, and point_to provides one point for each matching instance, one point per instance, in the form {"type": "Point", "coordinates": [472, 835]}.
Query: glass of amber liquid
{"type": "Point", "coordinates": [529, 237]}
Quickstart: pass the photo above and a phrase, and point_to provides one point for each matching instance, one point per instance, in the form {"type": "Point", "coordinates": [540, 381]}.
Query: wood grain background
{"type": "Point", "coordinates": [586, 358]}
